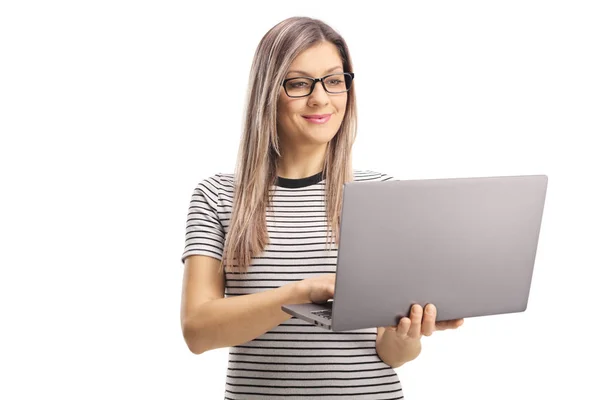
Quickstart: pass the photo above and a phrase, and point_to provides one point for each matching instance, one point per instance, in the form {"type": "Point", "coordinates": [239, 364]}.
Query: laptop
{"type": "Point", "coordinates": [467, 245]}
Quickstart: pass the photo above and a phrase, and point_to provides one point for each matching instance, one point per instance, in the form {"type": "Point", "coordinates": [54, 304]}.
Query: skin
{"type": "Point", "coordinates": [303, 145]}
{"type": "Point", "coordinates": [399, 344]}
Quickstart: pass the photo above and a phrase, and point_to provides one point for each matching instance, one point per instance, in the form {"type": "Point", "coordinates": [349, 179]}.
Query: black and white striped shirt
{"type": "Point", "coordinates": [295, 360]}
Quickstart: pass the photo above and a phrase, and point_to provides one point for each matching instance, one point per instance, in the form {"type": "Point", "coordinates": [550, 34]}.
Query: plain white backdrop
{"type": "Point", "coordinates": [111, 112]}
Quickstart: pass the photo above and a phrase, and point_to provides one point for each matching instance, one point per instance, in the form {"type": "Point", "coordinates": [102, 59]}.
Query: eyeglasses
{"type": "Point", "coordinates": [304, 86]}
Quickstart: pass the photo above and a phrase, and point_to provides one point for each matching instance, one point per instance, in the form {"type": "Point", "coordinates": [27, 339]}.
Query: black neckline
{"type": "Point", "coordinates": [290, 183]}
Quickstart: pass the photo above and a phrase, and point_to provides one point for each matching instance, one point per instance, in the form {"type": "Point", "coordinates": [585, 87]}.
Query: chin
{"type": "Point", "coordinates": [322, 134]}
{"type": "Point", "coordinates": [321, 139]}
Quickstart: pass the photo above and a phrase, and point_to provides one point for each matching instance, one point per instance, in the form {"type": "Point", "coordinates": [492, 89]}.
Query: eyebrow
{"type": "Point", "coordinates": [306, 73]}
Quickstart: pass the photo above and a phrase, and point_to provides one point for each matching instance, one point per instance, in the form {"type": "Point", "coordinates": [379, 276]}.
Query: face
{"type": "Point", "coordinates": [293, 123]}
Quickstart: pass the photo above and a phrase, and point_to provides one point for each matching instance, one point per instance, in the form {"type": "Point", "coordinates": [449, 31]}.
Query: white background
{"type": "Point", "coordinates": [111, 112]}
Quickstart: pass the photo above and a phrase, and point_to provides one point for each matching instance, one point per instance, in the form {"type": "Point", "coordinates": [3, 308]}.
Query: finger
{"type": "Point", "coordinates": [332, 284]}
{"type": "Point", "coordinates": [450, 324]}
{"type": "Point", "coordinates": [429, 320]}
{"type": "Point", "coordinates": [416, 317]}
{"type": "Point", "coordinates": [403, 327]}
{"type": "Point", "coordinates": [441, 326]}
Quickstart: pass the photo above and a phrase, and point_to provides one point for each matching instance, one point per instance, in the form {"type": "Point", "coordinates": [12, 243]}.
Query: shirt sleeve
{"type": "Point", "coordinates": [204, 233]}
{"type": "Point", "coordinates": [386, 177]}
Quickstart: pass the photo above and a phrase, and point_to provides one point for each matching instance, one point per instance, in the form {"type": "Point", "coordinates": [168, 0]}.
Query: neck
{"type": "Point", "coordinates": [301, 161]}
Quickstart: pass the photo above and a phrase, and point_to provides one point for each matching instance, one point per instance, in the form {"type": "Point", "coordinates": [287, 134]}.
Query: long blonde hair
{"type": "Point", "coordinates": [255, 171]}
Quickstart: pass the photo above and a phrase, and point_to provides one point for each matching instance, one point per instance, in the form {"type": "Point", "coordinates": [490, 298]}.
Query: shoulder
{"type": "Point", "coordinates": [214, 186]}
{"type": "Point", "coordinates": [216, 182]}
{"type": "Point", "coordinates": [368, 175]}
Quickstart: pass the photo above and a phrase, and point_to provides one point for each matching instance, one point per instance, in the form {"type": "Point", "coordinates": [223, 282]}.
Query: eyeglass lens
{"type": "Point", "coordinates": [337, 83]}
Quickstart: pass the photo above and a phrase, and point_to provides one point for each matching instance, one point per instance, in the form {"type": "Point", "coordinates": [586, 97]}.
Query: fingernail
{"type": "Point", "coordinates": [430, 309]}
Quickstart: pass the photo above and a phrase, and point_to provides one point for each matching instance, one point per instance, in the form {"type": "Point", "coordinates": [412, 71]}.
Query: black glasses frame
{"type": "Point", "coordinates": [322, 80]}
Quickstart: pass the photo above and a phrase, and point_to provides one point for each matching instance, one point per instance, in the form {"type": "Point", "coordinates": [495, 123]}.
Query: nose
{"type": "Point", "coordinates": [319, 96]}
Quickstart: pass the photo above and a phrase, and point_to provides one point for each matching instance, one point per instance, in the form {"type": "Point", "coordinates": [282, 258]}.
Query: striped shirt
{"type": "Point", "coordinates": [294, 360]}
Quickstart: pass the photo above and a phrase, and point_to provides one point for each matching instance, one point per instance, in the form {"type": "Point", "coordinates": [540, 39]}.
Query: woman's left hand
{"type": "Point", "coordinates": [402, 343]}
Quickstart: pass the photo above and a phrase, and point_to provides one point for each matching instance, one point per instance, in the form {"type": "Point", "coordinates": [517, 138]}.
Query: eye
{"type": "Point", "coordinates": [297, 85]}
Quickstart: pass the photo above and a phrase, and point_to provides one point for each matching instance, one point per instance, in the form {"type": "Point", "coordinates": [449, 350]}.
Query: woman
{"type": "Point", "coordinates": [266, 235]}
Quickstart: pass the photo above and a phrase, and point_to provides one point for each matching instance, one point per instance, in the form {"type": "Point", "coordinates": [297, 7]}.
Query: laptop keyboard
{"type": "Point", "coordinates": [323, 313]}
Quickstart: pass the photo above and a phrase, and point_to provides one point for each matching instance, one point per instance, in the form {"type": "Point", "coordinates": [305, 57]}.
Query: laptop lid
{"type": "Point", "coordinates": [467, 245]}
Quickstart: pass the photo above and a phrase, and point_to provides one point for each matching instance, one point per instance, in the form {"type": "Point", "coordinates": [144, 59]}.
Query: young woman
{"type": "Point", "coordinates": [266, 235]}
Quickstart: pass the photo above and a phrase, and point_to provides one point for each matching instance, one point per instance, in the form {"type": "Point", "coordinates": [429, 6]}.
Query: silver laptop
{"type": "Point", "coordinates": [467, 245]}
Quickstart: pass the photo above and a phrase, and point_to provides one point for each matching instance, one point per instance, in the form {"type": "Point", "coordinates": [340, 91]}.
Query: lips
{"type": "Point", "coordinates": [317, 118]}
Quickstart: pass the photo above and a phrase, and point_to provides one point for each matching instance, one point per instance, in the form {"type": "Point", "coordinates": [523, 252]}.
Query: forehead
{"type": "Point", "coordinates": [317, 60]}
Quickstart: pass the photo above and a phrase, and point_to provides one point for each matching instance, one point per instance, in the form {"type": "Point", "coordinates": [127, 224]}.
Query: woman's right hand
{"type": "Point", "coordinates": [318, 289]}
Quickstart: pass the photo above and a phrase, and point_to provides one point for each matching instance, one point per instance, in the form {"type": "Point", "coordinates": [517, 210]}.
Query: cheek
{"type": "Point", "coordinates": [341, 107]}
{"type": "Point", "coordinates": [288, 110]}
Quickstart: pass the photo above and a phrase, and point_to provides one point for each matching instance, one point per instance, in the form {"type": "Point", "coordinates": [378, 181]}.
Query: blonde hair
{"type": "Point", "coordinates": [259, 150]}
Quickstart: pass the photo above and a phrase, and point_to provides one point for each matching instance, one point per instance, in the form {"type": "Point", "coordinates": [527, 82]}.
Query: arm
{"type": "Point", "coordinates": [210, 321]}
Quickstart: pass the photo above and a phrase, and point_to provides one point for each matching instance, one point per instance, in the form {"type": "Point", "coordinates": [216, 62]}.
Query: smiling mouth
{"type": "Point", "coordinates": [317, 119]}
